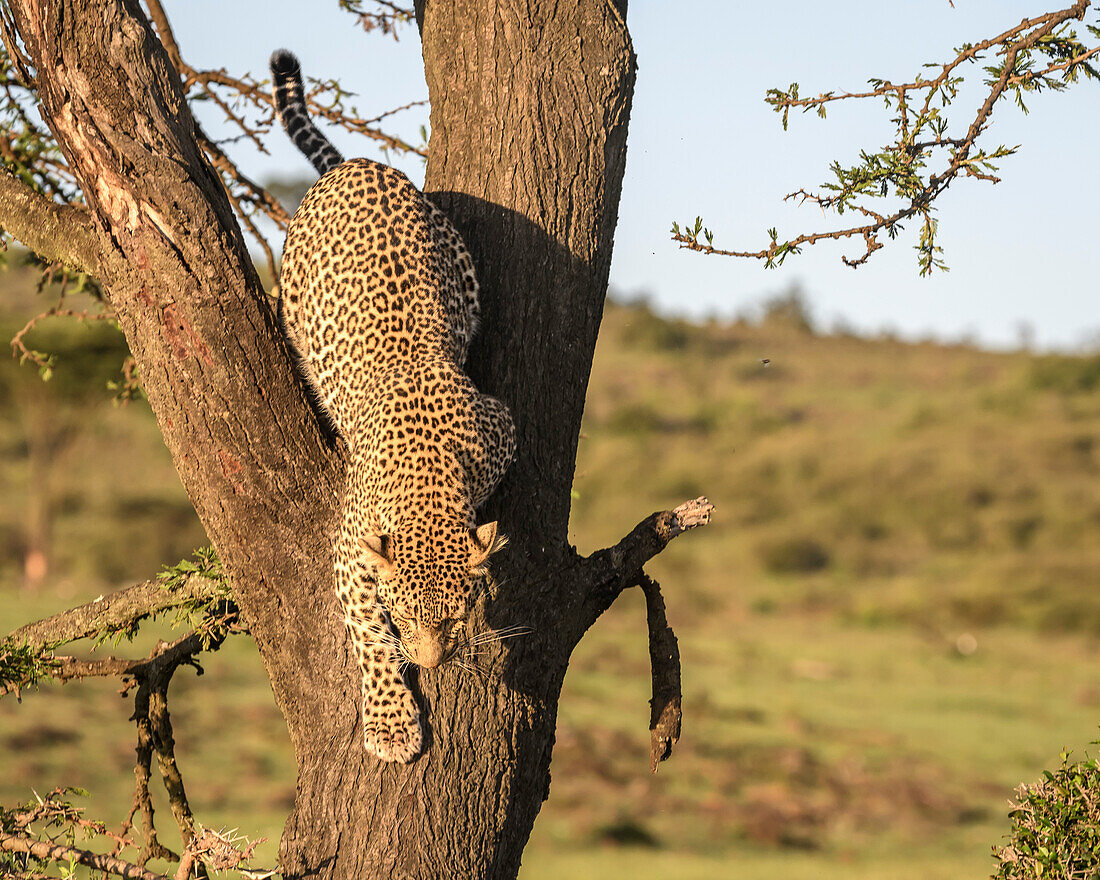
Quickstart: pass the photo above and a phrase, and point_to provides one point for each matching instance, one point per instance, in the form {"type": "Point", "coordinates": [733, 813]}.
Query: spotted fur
{"type": "Point", "coordinates": [379, 299]}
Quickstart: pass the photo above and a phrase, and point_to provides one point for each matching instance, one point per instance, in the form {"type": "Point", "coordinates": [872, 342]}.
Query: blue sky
{"type": "Point", "coordinates": [702, 141]}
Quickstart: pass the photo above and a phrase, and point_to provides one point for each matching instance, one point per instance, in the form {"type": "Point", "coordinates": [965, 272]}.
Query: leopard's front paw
{"type": "Point", "coordinates": [392, 733]}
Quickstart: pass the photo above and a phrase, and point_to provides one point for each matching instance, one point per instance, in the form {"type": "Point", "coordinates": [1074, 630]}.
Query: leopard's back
{"type": "Point", "coordinates": [374, 277]}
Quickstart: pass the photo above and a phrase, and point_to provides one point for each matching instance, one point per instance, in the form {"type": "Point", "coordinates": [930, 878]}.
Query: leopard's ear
{"type": "Point", "coordinates": [378, 550]}
{"type": "Point", "coordinates": [486, 541]}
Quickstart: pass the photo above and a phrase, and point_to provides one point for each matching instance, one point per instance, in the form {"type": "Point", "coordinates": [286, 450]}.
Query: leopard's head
{"type": "Point", "coordinates": [429, 582]}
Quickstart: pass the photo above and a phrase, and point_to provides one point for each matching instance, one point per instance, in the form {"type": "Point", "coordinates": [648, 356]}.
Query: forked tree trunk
{"type": "Point", "coordinates": [529, 114]}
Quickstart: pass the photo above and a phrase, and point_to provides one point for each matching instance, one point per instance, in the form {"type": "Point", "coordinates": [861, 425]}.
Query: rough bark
{"type": "Point", "coordinates": [529, 112]}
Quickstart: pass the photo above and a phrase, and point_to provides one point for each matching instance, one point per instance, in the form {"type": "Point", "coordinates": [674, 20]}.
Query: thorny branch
{"type": "Point", "coordinates": [386, 18]}
{"type": "Point", "coordinates": [48, 851]}
{"type": "Point", "coordinates": [59, 820]}
{"type": "Point", "coordinates": [119, 612]}
{"type": "Point", "coordinates": [901, 169]}
{"type": "Point", "coordinates": [152, 676]}
{"type": "Point", "coordinates": [57, 272]}
{"type": "Point", "coordinates": [29, 152]}
{"type": "Point", "coordinates": [248, 107]}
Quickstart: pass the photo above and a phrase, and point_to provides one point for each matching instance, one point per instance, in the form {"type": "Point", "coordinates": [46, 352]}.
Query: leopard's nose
{"type": "Point", "coordinates": [428, 653]}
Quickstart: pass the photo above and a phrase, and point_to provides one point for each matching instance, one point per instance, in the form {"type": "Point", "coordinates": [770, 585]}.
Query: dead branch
{"type": "Point", "coordinates": [120, 611]}
{"type": "Point", "coordinates": [41, 849]}
{"type": "Point", "coordinates": [155, 731]}
{"type": "Point", "coordinates": [143, 803]}
{"type": "Point", "coordinates": [620, 566]}
{"type": "Point", "coordinates": [664, 661]}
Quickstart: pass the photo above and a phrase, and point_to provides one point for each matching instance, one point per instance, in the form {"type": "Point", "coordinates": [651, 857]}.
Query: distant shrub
{"type": "Point", "coordinates": [1021, 529]}
{"type": "Point", "coordinates": [1066, 374]}
{"type": "Point", "coordinates": [1055, 826]}
{"type": "Point", "coordinates": [634, 418]}
{"type": "Point", "coordinates": [793, 556]}
{"type": "Point", "coordinates": [627, 832]}
{"type": "Point", "coordinates": [647, 330]}
{"type": "Point", "coordinates": [790, 309]}
{"type": "Point", "coordinates": [637, 417]}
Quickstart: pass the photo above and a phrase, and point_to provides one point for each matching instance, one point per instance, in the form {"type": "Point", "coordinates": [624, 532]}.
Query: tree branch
{"type": "Point", "coordinates": [617, 568]}
{"type": "Point", "coordinates": [664, 661]}
{"type": "Point", "coordinates": [119, 611]}
{"type": "Point", "coordinates": [900, 168]}
{"type": "Point", "coordinates": [41, 849]}
{"type": "Point", "coordinates": [620, 566]}
{"type": "Point", "coordinates": [61, 233]}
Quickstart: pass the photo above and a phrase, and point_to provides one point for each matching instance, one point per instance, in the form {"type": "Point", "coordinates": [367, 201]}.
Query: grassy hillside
{"type": "Point", "coordinates": [891, 621]}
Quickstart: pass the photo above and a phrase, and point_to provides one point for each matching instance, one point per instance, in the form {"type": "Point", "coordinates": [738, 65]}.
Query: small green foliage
{"type": "Point", "coordinates": [23, 666]}
{"type": "Point", "coordinates": [203, 615]}
{"type": "Point", "coordinates": [204, 562]}
{"type": "Point", "coordinates": [690, 233]}
{"type": "Point", "coordinates": [1055, 826]}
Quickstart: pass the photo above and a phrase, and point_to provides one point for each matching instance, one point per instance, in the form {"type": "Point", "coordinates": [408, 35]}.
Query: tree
{"type": "Point", "coordinates": [154, 225]}
{"type": "Point", "coordinates": [529, 117]}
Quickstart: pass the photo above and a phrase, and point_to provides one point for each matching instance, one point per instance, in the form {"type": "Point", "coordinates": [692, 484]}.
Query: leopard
{"type": "Point", "coordinates": [378, 299]}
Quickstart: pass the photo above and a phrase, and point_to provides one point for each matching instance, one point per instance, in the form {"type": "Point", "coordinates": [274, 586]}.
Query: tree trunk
{"type": "Point", "coordinates": [529, 117]}
{"type": "Point", "coordinates": [529, 113]}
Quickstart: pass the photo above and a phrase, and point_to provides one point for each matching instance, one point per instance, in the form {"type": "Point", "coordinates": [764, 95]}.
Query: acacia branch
{"type": "Point", "coordinates": [900, 168]}
{"type": "Point", "coordinates": [120, 611]}
{"type": "Point", "coordinates": [41, 849]}
{"type": "Point", "coordinates": [62, 233]}
{"type": "Point", "coordinates": [971, 52]}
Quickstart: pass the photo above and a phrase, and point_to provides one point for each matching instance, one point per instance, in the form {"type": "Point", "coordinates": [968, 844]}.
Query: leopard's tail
{"type": "Point", "coordinates": [290, 106]}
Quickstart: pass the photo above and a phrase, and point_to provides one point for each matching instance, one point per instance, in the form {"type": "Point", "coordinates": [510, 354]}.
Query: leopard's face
{"type": "Point", "coordinates": [428, 593]}
{"type": "Point", "coordinates": [432, 625]}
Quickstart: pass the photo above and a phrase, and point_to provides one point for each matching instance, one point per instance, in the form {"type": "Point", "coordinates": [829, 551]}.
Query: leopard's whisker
{"type": "Point", "coordinates": [500, 635]}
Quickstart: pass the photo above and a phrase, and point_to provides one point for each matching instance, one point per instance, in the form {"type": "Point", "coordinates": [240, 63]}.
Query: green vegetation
{"type": "Point", "coordinates": [1056, 825]}
{"type": "Point", "coordinates": [889, 625]}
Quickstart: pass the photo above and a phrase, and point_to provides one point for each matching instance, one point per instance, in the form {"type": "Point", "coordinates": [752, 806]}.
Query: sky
{"type": "Point", "coordinates": [1024, 254]}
